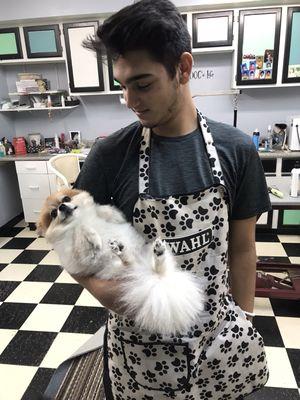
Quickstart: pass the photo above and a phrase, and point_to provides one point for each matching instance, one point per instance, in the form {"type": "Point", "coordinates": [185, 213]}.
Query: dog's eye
{"type": "Point", "coordinates": [53, 213]}
{"type": "Point", "coordinates": [66, 199]}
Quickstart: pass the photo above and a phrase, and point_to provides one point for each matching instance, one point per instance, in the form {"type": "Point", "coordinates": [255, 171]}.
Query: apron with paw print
{"type": "Point", "coordinates": [222, 356]}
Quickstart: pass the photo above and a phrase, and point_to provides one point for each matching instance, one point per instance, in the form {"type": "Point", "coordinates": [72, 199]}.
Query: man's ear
{"type": "Point", "coordinates": [185, 67]}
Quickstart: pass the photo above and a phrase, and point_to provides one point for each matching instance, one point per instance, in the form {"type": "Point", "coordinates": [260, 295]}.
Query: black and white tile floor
{"type": "Point", "coordinates": [45, 316]}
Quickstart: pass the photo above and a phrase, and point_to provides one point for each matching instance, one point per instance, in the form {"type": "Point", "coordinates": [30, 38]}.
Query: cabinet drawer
{"type": "Point", "coordinates": [31, 167]}
{"type": "Point", "coordinates": [34, 186]}
{"type": "Point", "coordinates": [32, 209]}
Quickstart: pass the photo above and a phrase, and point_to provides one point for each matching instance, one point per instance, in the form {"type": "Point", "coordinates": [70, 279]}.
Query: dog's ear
{"type": "Point", "coordinates": [39, 229]}
{"type": "Point", "coordinates": [44, 220]}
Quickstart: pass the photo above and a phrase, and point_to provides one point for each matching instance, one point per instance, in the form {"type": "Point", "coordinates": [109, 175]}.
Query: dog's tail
{"type": "Point", "coordinates": [166, 303]}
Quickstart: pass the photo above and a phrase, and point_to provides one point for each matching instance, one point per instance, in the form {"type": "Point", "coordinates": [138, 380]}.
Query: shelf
{"type": "Point", "coordinates": [33, 61]}
{"type": "Point", "coordinates": [37, 93]}
{"type": "Point", "coordinates": [38, 109]}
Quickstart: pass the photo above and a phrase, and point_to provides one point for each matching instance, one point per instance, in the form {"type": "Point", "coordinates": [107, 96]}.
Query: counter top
{"type": "Point", "coordinates": [279, 154]}
{"type": "Point", "coordinates": [46, 157]}
{"type": "Point", "coordinates": [28, 157]}
{"type": "Point", "coordinates": [282, 183]}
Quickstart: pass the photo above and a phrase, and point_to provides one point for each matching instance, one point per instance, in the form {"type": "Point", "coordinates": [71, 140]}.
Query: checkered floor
{"type": "Point", "coordinates": [45, 316]}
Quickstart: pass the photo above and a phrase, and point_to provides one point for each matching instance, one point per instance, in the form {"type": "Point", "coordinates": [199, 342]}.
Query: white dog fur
{"type": "Point", "coordinates": [93, 239]}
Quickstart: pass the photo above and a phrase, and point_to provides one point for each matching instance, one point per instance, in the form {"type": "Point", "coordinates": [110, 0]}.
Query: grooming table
{"type": "Point", "coordinates": [268, 285]}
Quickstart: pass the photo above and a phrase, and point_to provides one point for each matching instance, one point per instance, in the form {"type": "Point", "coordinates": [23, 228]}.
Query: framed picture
{"type": "Point", "coordinates": [212, 29]}
{"type": "Point", "coordinates": [258, 46]}
{"type": "Point", "coordinates": [291, 63]}
{"type": "Point", "coordinates": [10, 44]}
{"type": "Point", "coordinates": [113, 84]}
{"type": "Point", "coordinates": [42, 41]}
{"type": "Point", "coordinates": [84, 76]}
{"type": "Point", "coordinates": [34, 139]}
{"type": "Point", "coordinates": [75, 135]}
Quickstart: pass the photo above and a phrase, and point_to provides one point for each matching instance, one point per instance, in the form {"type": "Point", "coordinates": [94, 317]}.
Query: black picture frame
{"type": "Point", "coordinates": [74, 89]}
{"type": "Point", "coordinates": [19, 54]}
{"type": "Point", "coordinates": [287, 49]}
{"type": "Point", "coordinates": [211, 15]}
{"type": "Point", "coordinates": [113, 85]}
{"type": "Point", "coordinates": [40, 28]}
{"type": "Point", "coordinates": [275, 50]}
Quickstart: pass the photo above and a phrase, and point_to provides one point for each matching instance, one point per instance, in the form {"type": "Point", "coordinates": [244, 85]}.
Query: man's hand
{"type": "Point", "coordinates": [105, 291]}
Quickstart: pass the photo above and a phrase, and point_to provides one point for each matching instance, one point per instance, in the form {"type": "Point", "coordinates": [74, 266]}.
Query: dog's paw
{"type": "Point", "coordinates": [159, 247]}
{"type": "Point", "coordinates": [116, 246]}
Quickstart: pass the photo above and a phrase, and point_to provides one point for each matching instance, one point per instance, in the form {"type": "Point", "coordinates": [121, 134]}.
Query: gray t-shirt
{"type": "Point", "coordinates": [178, 165]}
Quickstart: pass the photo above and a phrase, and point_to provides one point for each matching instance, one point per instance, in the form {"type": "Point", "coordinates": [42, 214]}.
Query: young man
{"type": "Point", "coordinates": [180, 177]}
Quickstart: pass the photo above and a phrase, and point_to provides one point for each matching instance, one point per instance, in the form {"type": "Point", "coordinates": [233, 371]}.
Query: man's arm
{"type": "Point", "coordinates": [242, 261]}
{"type": "Point", "coordinates": [105, 291]}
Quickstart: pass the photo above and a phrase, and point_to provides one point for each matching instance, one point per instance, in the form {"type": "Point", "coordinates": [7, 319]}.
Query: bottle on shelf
{"type": "Point", "coordinates": [56, 140]}
{"type": "Point", "coordinates": [2, 150]}
{"type": "Point", "coordinates": [295, 173]}
{"type": "Point", "coordinates": [269, 139]}
{"type": "Point", "coordinates": [255, 138]}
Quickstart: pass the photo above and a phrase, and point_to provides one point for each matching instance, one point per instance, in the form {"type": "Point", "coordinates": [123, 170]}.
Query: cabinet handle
{"type": "Point", "coordinates": [34, 187]}
{"type": "Point", "coordinates": [30, 168]}
{"type": "Point", "coordinates": [36, 211]}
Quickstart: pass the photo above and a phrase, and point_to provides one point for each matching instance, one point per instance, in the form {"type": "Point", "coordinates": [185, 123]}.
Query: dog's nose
{"type": "Point", "coordinates": [62, 207]}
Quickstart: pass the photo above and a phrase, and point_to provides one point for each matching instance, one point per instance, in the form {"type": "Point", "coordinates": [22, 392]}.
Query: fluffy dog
{"type": "Point", "coordinates": [93, 239]}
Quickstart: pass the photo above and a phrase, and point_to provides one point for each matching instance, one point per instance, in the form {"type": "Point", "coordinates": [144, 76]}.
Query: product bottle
{"type": "Point", "coordinates": [295, 180]}
{"type": "Point", "coordinates": [255, 138]}
{"type": "Point", "coordinates": [56, 140]}
{"type": "Point", "coordinates": [270, 138]}
{"type": "Point", "coordinates": [2, 150]}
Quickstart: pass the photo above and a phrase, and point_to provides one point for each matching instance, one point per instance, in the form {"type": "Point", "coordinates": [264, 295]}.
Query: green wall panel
{"type": "Point", "coordinates": [8, 44]}
{"type": "Point", "coordinates": [291, 217]}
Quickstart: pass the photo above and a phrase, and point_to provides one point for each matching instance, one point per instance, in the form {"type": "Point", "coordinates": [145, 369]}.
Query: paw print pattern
{"type": "Point", "coordinates": [218, 223]}
{"type": "Point", "coordinates": [162, 367]}
{"type": "Point", "coordinates": [187, 264]}
{"type": "Point", "coordinates": [214, 243]}
{"type": "Point", "coordinates": [234, 377]}
{"type": "Point", "coordinates": [149, 376]}
{"type": "Point", "coordinates": [226, 347]}
{"type": "Point", "coordinates": [150, 350]}
{"type": "Point", "coordinates": [243, 347]}
{"type": "Point", "coordinates": [211, 272]}
{"type": "Point", "coordinates": [150, 230]}
{"type": "Point", "coordinates": [186, 222]}
{"type": "Point", "coordinates": [202, 256]}
{"type": "Point", "coordinates": [170, 212]}
{"type": "Point", "coordinates": [134, 358]}
{"type": "Point", "coordinates": [216, 204]}
{"type": "Point", "coordinates": [248, 361]}
{"type": "Point", "coordinates": [153, 212]}
{"type": "Point", "coordinates": [237, 331]}
{"type": "Point", "coordinates": [201, 213]}
{"type": "Point", "coordinates": [168, 229]}
{"type": "Point", "coordinates": [232, 361]}
{"type": "Point", "coordinates": [139, 215]}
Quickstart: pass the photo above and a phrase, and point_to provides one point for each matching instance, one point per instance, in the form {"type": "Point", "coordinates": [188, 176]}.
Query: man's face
{"type": "Point", "coordinates": [148, 89]}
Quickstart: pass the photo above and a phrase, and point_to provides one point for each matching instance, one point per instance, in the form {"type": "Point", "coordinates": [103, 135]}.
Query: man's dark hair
{"type": "Point", "coordinates": [152, 25]}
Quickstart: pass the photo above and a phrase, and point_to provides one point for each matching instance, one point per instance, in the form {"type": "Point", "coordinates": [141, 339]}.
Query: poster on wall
{"type": "Point", "coordinates": [258, 46]}
{"type": "Point", "coordinates": [291, 65]}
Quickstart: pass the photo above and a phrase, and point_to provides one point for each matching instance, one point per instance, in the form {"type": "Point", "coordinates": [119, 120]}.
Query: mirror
{"type": "Point", "coordinates": [259, 33]}
{"type": "Point", "coordinates": [291, 65]}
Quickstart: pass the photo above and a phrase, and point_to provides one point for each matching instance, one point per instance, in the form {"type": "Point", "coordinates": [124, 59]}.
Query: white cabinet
{"type": "Point", "coordinates": [35, 183]}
